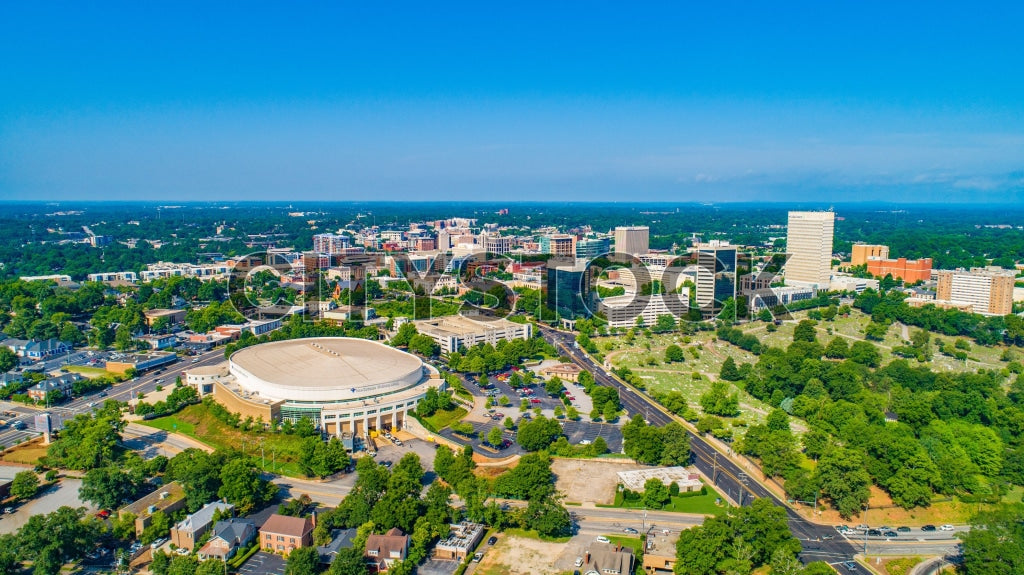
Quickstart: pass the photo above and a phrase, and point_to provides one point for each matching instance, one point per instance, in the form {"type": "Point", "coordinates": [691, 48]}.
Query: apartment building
{"type": "Point", "coordinates": [988, 290]}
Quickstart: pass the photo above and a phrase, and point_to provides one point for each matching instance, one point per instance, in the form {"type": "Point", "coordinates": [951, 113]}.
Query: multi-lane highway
{"type": "Point", "coordinates": [820, 542]}
{"type": "Point", "coordinates": [145, 384]}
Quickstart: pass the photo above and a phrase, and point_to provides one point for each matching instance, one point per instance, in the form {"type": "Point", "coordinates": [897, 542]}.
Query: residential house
{"type": "Point", "coordinates": [168, 499]}
{"type": "Point", "coordinates": [283, 534]}
{"type": "Point", "coordinates": [187, 532]}
{"type": "Point", "coordinates": [229, 535]}
{"type": "Point", "coordinates": [45, 348]}
{"type": "Point", "coordinates": [340, 539]}
{"type": "Point", "coordinates": [383, 551]}
{"type": "Point", "coordinates": [62, 384]}
{"type": "Point", "coordinates": [607, 559]}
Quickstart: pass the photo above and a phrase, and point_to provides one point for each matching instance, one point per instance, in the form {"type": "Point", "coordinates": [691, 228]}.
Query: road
{"type": "Point", "coordinates": [723, 472]}
{"type": "Point", "coordinates": [145, 383]}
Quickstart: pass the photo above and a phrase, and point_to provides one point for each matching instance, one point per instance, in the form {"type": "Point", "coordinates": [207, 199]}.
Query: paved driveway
{"type": "Point", "coordinates": [577, 431]}
{"type": "Point", "coordinates": [263, 563]}
{"type": "Point", "coordinates": [437, 567]}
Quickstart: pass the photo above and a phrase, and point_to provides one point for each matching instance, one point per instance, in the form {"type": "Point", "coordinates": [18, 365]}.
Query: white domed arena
{"type": "Point", "coordinates": [345, 385]}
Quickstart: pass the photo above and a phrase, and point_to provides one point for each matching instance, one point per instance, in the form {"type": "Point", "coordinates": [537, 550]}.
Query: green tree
{"type": "Point", "coordinates": [107, 487]}
{"type": "Point", "coordinates": [25, 484]}
{"type": "Point", "coordinates": [656, 494]}
{"type": "Point", "coordinates": [553, 386]}
{"type": "Point", "coordinates": [302, 561]}
{"type": "Point", "coordinates": [610, 412]}
{"type": "Point", "coordinates": [674, 354]}
{"type": "Point", "coordinates": [8, 359]}
{"type": "Point", "coordinates": [242, 486]}
{"type": "Point", "coordinates": [718, 401]}
{"type": "Point", "coordinates": [865, 353]}
{"type": "Point", "coordinates": [995, 543]}
{"type": "Point", "coordinates": [729, 370]}
{"type": "Point", "coordinates": [844, 480]}
{"type": "Point", "coordinates": [837, 349]}
{"type": "Point", "coordinates": [494, 436]}
{"type": "Point", "coordinates": [88, 441]}
{"type": "Point", "coordinates": [675, 445]}
{"type": "Point", "coordinates": [804, 331]}
{"type": "Point", "coordinates": [538, 434]}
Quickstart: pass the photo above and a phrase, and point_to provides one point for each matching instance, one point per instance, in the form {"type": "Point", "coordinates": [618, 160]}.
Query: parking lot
{"type": "Point", "coordinates": [263, 563]}
{"type": "Point", "coordinates": [437, 567]}
{"type": "Point", "coordinates": [52, 498]}
{"type": "Point", "coordinates": [585, 432]}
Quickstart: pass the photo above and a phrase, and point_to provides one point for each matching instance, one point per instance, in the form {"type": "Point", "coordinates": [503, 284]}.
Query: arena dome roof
{"type": "Point", "coordinates": [327, 369]}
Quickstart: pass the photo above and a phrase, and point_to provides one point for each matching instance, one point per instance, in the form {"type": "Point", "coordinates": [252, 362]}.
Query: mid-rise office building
{"type": "Point", "coordinates": [495, 244]}
{"type": "Point", "coordinates": [558, 245]}
{"type": "Point", "coordinates": [988, 290]}
{"type": "Point", "coordinates": [590, 248]}
{"type": "Point", "coordinates": [861, 253]}
{"type": "Point", "coordinates": [569, 288]}
{"type": "Point", "coordinates": [809, 245]}
{"type": "Point", "coordinates": [716, 276]}
{"type": "Point", "coordinates": [634, 240]}
{"type": "Point", "coordinates": [622, 311]}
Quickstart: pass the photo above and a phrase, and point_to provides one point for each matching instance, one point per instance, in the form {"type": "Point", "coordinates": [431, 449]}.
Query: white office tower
{"type": "Point", "coordinates": [809, 245]}
{"type": "Point", "coordinates": [633, 240]}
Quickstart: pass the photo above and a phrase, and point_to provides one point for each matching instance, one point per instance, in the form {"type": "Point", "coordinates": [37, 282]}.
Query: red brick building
{"type": "Point", "coordinates": [909, 271]}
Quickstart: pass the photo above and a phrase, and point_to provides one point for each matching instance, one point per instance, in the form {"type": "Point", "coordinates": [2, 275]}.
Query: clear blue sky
{"type": "Point", "coordinates": [719, 101]}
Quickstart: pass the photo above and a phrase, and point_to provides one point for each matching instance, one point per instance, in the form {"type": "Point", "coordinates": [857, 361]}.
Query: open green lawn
{"type": "Point", "coordinates": [633, 543]}
{"type": "Point", "coordinates": [281, 451]}
{"type": "Point", "coordinates": [86, 370]}
{"type": "Point", "coordinates": [444, 418]}
{"type": "Point", "coordinates": [704, 504]}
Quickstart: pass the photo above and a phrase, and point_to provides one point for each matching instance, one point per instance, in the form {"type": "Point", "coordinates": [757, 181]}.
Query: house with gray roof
{"type": "Point", "coordinates": [186, 532]}
{"type": "Point", "coordinates": [229, 535]}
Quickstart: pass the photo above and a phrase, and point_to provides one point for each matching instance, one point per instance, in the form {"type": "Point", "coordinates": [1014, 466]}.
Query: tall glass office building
{"type": "Point", "coordinates": [716, 276]}
{"type": "Point", "coordinates": [568, 288]}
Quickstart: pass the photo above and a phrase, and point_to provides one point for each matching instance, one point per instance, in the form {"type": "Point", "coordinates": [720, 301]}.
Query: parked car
{"type": "Point", "coordinates": [579, 562]}
{"type": "Point", "coordinates": [492, 540]}
{"type": "Point", "coordinates": [535, 400]}
{"type": "Point", "coordinates": [478, 556]}
{"type": "Point", "coordinates": [602, 539]}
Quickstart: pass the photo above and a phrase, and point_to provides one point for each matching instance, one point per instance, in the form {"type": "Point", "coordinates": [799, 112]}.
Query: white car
{"type": "Point", "coordinates": [579, 562]}
{"type": "Point", "coordinates": [946, 527]}
{"type": "Point", "coordinates": [602, 539]}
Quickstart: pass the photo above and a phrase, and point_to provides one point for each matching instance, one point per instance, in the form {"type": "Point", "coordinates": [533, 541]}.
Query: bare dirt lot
{"type": "Point", "coordinates": [520, 556]}
{"type": "Point", "coordinates": [589, 480]}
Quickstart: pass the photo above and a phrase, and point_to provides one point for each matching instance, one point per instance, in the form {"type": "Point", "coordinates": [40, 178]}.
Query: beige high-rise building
{"type": "Point", "coordinates": [862, 252]}
{"type": "Point", "coordinates": [809, 245]}
{"type": "Point", "coordinates": [634, 240]}
{"type": "Point", "coordinates": [988, 290]}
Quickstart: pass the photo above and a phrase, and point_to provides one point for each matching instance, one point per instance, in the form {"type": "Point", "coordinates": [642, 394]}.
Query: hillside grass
{"type": "Point", "coordinates": [281, 451]}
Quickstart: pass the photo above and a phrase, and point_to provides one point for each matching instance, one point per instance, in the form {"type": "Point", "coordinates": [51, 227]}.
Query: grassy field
{"type": "Point", "coordinates": [281, 451]}
{"type": "Point", "coordinates": [704, 504]}
{"type": "Point", "coordinates": [444, 418]}
{"type": "Point", "coordinates": [87, 371]}
{"type": "Point", "coordinates": [27, 454]}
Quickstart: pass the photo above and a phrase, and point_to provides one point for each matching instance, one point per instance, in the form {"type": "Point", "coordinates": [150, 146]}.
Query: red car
{"type": "Point", "coordinates": [103, 513]}
{"type": "Point", "coordinates": [535, 400]}
{"type": "Point", "coordinates": [569, 397]}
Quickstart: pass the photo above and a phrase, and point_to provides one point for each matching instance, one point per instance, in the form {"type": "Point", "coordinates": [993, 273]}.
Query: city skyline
{"type": "Point", "coordinates": [664, 104]}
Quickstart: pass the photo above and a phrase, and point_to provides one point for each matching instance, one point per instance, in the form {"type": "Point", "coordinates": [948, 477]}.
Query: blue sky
{"type": "Point", "coordinates": [904, 102]}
